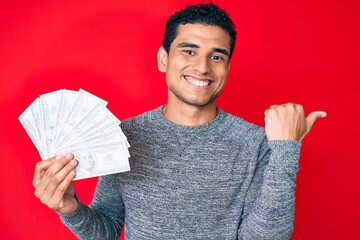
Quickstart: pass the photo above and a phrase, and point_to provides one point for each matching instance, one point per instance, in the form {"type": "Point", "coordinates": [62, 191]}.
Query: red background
{"type": "Point", "coordinates": [287, 51]}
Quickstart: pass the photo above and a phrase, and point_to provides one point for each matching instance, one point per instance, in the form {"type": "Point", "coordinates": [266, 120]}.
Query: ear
{"type": "Point", "coordinates": [162, 58]}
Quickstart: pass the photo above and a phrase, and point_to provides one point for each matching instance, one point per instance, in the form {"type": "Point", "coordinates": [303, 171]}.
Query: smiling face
{"type": "Point", "coordinates": [197, 64]}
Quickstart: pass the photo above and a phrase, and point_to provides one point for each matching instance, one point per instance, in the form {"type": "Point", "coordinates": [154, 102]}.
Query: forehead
{"type": "Point", "coordinates": [203, 35]}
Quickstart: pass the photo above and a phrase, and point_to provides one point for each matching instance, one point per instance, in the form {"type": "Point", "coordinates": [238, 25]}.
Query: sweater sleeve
{"type": "Point", "coordinates": [269, 204]}
{"type": "Point", "coordinates": [104, 218]}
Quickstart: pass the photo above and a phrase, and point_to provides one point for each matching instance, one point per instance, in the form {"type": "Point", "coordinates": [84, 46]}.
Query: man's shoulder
{"type": "Point", "coordinates": [239, 127]}
{"type": "Point", "coordinates": [143, 119]}
{"type": "Point", "coordinates": [240, 122]}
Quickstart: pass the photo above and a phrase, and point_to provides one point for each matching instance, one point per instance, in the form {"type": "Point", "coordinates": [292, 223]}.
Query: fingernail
{"type": "Point", "coordinates": [61, 204]}
{"type": "Point", "coordinates": [73, 162]}
{"type": "Point", "coordinates": [69, 156]}
{"type": "Point", "coordinates": [72, 173]}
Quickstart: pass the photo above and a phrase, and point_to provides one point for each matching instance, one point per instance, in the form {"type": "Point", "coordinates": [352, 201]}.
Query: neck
{"type": "Point", "coordinates": [189, 115]}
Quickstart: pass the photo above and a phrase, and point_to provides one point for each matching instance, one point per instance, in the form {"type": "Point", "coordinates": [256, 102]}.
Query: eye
{"type": "Point", "coordinates": [189, 52]}
{"type": "Point", "coordinates": [217, 58]}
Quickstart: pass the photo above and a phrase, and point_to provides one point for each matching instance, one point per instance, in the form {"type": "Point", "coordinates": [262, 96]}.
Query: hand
{"type": "Point", "coordinates": [53, 183]}
{"type": "Point", "coordinates": [288, 122]}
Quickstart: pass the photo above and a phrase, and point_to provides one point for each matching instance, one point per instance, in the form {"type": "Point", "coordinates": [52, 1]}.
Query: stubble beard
{"type": "Point", "coordinates": [194, 102]}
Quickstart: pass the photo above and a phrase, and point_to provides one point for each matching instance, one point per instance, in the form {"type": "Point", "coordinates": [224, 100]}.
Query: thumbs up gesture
{"type": "Point", "coordinates": [288, 122]}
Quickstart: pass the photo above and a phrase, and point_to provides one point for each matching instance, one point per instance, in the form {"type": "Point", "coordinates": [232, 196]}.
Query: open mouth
{"type": "Point", "coordinates": [197, 82]}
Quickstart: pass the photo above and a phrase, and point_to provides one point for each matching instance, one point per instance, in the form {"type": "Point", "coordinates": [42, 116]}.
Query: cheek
{"type": "Point", "coordinates": [177, 63]}
{"type": "Point", "coordinates": [173, 71]}
{"type": "Point", "coordinates": [222, 73]}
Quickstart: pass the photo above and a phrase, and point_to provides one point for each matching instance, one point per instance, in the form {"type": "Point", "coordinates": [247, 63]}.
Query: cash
{"type": "Point", "coordinates": [66, 121]}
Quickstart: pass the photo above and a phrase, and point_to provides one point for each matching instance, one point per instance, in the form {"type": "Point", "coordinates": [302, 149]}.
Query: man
{"type": "Point", "coordinates": [196, 171]}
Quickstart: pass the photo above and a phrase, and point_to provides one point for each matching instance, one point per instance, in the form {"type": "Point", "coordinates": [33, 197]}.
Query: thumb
{"type": "Point", "coordinates": [312, 117]}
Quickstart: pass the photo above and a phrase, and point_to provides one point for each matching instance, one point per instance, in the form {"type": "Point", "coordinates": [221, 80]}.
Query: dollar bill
{"type": "Point", "coordinates": [49, 106]}
{"type": "Point", "coordinates": [30, 120]}
{"type": "Point", "coordinates": [99, 159]}
{"type": "Point", "coordinates": [65, 104]}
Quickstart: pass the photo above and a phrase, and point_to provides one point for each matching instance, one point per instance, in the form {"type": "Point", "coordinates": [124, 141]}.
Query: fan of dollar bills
{"type": "Point", "coordinates": [79, 122]}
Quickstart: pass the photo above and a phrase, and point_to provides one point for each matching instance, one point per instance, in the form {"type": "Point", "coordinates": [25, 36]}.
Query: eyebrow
{"type": "Point", "coordinates": [193, 45]}
{"type": "Point", "coordinates": [221, 50]}
{"type": "Point", "coordinates": [189, 45]}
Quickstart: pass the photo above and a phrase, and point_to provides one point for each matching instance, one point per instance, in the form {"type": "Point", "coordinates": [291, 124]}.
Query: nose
{"type": "Point", "coordinates": [201, 65]}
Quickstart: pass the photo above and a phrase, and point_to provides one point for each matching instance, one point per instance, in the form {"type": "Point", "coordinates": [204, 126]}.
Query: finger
{"type": "Point", "coordinates": [42, 183]}
{"type": "Point", "coordinates": [40, 168]}
{"type": "Point", "coordinates": [273, 106]}
{"type": "Point", "coordinates": [47, 189]}
{"type": "Point", "coordinates": [312, 117]}
{"type": "Point", "coordinates": [58, 196]}
{"type": "Point", "coordinates": [266, 112]}
{"type": "Point", "coordinates": [58, 164]}
{"type": "Point", "coordinates": [57, 179]}
{"type": "Point", "coordinates": [298, 107]}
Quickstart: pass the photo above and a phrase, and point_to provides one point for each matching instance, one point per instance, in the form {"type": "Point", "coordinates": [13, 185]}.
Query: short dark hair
{"type": "Point", "coordinates": [206, 13]}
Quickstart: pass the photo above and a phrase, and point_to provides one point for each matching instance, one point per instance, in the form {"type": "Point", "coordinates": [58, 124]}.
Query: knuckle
{"type": "Point", "coordinates": [55, 180]}
{"type": "Point", "coordinates": [37, 194]}
{"type": "Point", "coordinates": [38, 166]}
{"type": "Point", "coordinates": [34, 183]}
{"type": "Point", "coordinates": [51, 205]}
{"type": "Point", "coordinates": [61, 189]}
{"type": "Point", "coordinates": [270, 112]}
{"type": "Point", "coordinates": [49, 173]}
{"type": "Point", "coordinates": [44, 201]}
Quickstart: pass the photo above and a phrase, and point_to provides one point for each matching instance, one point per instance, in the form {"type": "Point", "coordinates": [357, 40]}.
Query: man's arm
{"type": "Point", "coordinates": [54, 187]}
{"type": "Point", "coordinates": [104, 218]}
{"type": "Point", "coordinates": [269, 204]}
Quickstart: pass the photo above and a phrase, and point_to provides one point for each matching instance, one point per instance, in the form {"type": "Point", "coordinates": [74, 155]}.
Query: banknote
{"type": "Point", "coordinates": [65, 105]}
{"type": "Point", "coordinates": [49, 105]}
{"type": "Point", "coordinates": [31, 122]}
{"type": "Point", "coordinates": [99, 159]}
{"type": "Point", "coordinates": [77, 121]}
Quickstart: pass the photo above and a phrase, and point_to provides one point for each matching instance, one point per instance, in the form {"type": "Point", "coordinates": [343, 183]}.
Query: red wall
{"type": "Point", "coordinates": [287, 51]}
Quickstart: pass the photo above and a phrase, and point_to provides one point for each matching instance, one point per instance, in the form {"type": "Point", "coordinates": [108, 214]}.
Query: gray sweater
{"type": "Point", "coordinates": [221, 180]}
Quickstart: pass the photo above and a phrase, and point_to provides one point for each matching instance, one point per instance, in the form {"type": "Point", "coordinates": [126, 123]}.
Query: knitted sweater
{"type": "Point", "coordinates": [221, 180]}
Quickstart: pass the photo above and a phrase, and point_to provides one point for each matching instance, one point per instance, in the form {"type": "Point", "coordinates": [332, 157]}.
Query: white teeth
{"type": "Point", "coordinates": [197, 82]}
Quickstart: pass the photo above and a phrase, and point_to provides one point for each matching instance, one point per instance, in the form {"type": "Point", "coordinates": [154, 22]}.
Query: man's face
{"type": "Point", "coordinates": [197, 64]}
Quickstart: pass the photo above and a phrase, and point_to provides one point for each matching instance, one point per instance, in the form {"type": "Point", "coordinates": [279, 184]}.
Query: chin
{"type": "Point", "coordinates": [197, 103]}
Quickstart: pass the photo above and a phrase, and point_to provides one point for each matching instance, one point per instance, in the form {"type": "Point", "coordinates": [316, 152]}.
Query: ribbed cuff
{"type": "Point", "coordinates": [75, 217]}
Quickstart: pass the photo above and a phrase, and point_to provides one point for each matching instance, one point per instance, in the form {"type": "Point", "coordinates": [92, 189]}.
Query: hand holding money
{"type": "Point", "coordinates": [53, 183]}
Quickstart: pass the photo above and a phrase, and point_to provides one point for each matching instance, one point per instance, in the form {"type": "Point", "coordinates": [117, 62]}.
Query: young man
{"type": "Point", "coordinates": [196, 171]}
